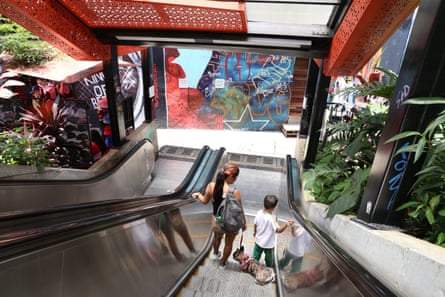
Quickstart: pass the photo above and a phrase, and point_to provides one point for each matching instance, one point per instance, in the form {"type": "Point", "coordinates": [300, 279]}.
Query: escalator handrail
{"type": "Point", "coordinates": [362, 280]}
{"type": "Point", "coordinates": [208, 172]}
{"type": "Point", "coordinates": [25, 233]}
{"type": "Point", "coordinates": [201, 155]}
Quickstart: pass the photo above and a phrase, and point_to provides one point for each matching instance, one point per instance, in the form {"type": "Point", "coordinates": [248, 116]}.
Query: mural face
{"type": "Point", "coordinates": [222, 90]}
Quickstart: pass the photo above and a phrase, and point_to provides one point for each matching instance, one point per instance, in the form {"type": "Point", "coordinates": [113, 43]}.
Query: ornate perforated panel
{"type": "Point", "coordinates": [125, 14]}
{"type": "Point", "coordinates": [366, 26]}
{"type": "Point", "coordinates": [54, 24]}
{"type": "Point", "coordinates": [67, 24]}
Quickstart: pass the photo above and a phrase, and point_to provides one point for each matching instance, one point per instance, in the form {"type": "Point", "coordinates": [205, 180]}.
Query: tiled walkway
{"type": "Point", "coordinates": [272, 144]}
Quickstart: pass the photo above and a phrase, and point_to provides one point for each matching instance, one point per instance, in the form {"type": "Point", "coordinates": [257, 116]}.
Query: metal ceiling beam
{"type": "Point", "coordinates": [364, 29]}
{"type": "Point", "coordinates": [279, 45]}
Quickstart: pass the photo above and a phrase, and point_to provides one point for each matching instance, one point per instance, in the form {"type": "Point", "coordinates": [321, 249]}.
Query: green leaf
{"type": "Point", "coordinates": [440, 238]}
{"type": "Point", "coordinates": [407, 149]}
{"type": "Point", "coordinates": [425, 100]}
{"type": "Point", "coordinates": [434, 202]}
{"type": "Point", "coordinates": [403, 135]}
{"type": "Point", "coordinates": [420, 148]}
{"type": "Point", "coordinates": [407, 205]}
{"type": "Point", "coordinates": [430, 216]}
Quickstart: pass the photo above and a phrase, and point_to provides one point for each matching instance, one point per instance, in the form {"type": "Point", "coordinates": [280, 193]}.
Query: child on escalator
{"type": "Point", "coordinates": [266, 229]}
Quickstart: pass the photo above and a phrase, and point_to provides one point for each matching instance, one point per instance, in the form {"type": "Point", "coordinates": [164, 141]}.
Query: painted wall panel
{"type": "Point", "coordinates": [222, 90]}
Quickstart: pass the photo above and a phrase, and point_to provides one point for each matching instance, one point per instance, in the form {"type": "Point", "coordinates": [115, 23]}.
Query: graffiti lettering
{"type": "Point", "coordinates": [285, 63]}
{"type": "Point", "coordinates": [266, 58]}
{"type": "Point", "coordinates": [128, 79]}
{"type": "Point", "coordinates": [231, 101]}
{"type": "Point", "coordinates": [271, 75]}
{"type": "Point", "coordinates": [276, 103]}
{"type": "Point", "coordinates": [99, 92]}
{"type": "Point", "coordinates": [94, 79]}
{"type": "Point", "coordinates": [402, 95]}
{"type": "Point", "coordinates": [394, 182]}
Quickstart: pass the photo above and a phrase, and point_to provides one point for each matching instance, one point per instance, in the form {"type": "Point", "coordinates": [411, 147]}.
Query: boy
{"type": "Point", "coordinates": [265, 230]}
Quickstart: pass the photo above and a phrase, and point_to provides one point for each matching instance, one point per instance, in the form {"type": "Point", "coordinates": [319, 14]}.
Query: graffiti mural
{"type": "Point", "coordinates": [91, 90]}
{"type": "Point", "coordinates": [223, 90]}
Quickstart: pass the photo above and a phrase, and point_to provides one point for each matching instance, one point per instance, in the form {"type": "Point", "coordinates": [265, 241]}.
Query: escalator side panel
{"type": "Point", "coordinates": [340, 274]}
{"type": "Point", "coordinates": [134, 259]}
{"type": "Point", "coordinates": [131, 180]}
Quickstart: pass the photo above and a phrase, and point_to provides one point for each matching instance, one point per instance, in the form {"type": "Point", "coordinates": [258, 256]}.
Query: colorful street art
{"type": "Point", "coordinates": [91, 89]}
{"type": "Point", "coordinates": [222, 90]}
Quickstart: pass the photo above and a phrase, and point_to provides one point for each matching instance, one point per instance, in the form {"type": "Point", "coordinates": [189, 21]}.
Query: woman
{"type": "Point", "coordinates": [214, 192]}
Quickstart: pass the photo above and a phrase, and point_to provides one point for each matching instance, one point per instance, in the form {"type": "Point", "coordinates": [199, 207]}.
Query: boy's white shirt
{"type": "Point", "coordinates": [266, 228]}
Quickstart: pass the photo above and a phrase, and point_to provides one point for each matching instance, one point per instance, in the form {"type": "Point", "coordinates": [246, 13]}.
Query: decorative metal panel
{"type": "Point", "coordinates": [366, 26]}
{"type": "Point", "coordinates": [67, 24]}
{"type": "Point", "coordinates": [126, 14]}
{"type": "Point", "coordinates": [54, 24]}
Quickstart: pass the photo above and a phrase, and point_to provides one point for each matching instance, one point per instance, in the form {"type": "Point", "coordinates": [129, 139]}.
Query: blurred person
{"type": "Point", "coordinates": [172, 221]}
{"type": "Point", "coordinates": [296, 248]}
{"type": "Point", "coordinates": [104, 118]}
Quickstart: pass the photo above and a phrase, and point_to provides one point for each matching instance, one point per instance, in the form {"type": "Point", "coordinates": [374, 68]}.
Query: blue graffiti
{"type": "Point", "coordinates": [394, 183]}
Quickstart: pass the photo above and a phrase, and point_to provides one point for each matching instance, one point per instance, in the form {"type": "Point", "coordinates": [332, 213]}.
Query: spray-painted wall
{"type": "Point", "coordinates": [92, 88]}
{"type": "Point", "coordinates": [206, 89]}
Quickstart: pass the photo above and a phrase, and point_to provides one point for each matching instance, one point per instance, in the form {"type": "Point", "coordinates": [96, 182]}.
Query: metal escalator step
{"type": "Point", "coordinates": [177, 152]}
{"type": "Point", "coordinates": [205, 284]}
{"type": "Point", "coordinates": [253, 161]}
{"type": "Point", "coordinates": [212, 281]}
{"type": "Point", "coordinates": [186, 292]}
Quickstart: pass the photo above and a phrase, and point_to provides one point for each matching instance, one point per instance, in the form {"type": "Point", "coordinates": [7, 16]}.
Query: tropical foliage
{"type": "Point", "coordinates": [344, 158]}
{"type": "Point", "coordinates": [426, 206]}
{"type": "Point", "coordinates": [380, 88]}
{"type": "Point", "coordinates": [47, 121]}
{"type": "Point", "coordinates": [20, 148]}
{"type": "Point", "coordinates": [26, 48]}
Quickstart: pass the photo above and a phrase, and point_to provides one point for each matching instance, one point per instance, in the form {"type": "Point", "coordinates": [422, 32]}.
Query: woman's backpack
{"type": "Point", "coordinates": [229, 215]}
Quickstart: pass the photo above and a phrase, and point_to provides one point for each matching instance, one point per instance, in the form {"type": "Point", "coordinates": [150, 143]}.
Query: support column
{"type": "Point", "coordinates": [316, 119]}
{"type": "Point", "coordinates": [421, 75]}
{"type": "Point", "coordinates": [309, 93]}
{"type": "Point", "coordinates": [115, 99]}
{"type": "Point", "coordinates": [149, 92]}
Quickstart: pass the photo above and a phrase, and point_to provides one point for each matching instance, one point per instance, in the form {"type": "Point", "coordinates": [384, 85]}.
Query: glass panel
{"type": "Point", "coordinates": [306, 271]}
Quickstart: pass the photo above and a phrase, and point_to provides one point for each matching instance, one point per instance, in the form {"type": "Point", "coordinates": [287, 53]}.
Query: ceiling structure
{"type": "Point", "coordinates": [344, 34]}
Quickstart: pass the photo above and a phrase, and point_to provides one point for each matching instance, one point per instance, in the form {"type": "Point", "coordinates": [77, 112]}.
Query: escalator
{"type": "Point", "coordinates": [326, 270]}
{"type": "Point", "coordinates": [91, 249]}
{"type": "Point", "coordinates": [141, 246]}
